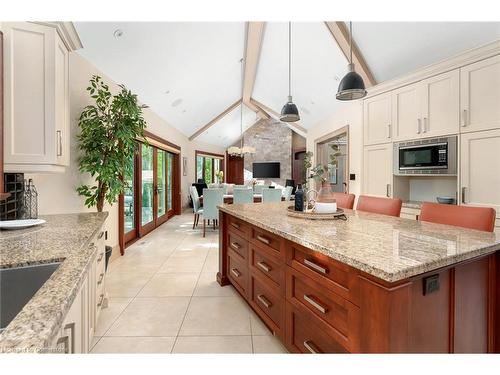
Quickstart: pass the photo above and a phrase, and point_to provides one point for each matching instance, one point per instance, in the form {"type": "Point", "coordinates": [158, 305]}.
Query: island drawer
{"type": "Point", "coordinates": [268, 304]}
{"type": "Point", "coordinates": [268, 242]}
{"type": "Point", "coordinates": [305, 333]}
{"type": "Point", "coordinates": [238, 274]}
{"type": "Point", "coordinates": [237, 244]}
{"type": "Point", "coordinates": [268, 267]}
{"type": "Point", "coordinates": [327, 272]}
{"type": "Point", "coordinates": [238, 226]}
{"type": "Point", "coordinates": [341, 315]}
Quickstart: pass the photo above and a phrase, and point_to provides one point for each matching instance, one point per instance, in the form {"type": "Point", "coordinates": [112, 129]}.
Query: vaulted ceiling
{"type": "Point", "coordinates": [190, 73]}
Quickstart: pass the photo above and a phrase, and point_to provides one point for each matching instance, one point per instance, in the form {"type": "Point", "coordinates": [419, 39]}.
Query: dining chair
{"type": "Point", "coordinates": [480, 218]}
{"type": "Point", "coordinates": [287, 193]}
{"type": "Point", "coordinates": [197, 210]}
{"type": "Point", "coordinates": [344, 200]}
{"type": "Point", "coordinates": [271, 195]}
{"type": "Point", "coordinates": [242, 187]}
{"type": "Point", "coordinates": [211, 199]}
{"type": "Point", "coordinates": [379, 205]}
{"type": "Point", "coordinates": [258, 188]}
{"type": "Point", "coordinates": [243, 196]}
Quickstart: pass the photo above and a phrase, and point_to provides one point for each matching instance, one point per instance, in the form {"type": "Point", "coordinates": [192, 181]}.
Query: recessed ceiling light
{"type": "Point", "coordinates": [176, 102]}
{"type": "Point", "coordinates": [312, 102]}
{"type": "Point", "coordinates": [117, 33]}
{"type": "Point", "coordinates": [167, 92]}
{"type": "Point", "coordinates": [183, 111]}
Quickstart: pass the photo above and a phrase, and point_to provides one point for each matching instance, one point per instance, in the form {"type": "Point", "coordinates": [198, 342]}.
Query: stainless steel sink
{"type": "Point", "coordinates": [18, 285]}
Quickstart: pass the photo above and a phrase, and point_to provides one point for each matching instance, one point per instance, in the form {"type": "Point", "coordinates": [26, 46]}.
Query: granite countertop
{"type": "Point", "coordinates": [63, 238]}
{"type": "Point", "coordinates": [389, 248]}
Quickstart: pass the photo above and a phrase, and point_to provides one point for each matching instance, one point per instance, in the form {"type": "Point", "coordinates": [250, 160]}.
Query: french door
{"type": "Point", "coordinates": [148, 199]}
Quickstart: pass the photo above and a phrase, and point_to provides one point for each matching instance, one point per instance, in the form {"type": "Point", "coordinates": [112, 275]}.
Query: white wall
{"type": "Point", "coordinates": [56, 192]}
{"type": "Point", "coordinates": [351, 114]}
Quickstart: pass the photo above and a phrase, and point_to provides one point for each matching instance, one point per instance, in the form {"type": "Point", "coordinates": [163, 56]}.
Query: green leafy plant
{"type": "Point", "coordinates": [107, 141]}
{"type": "Point", "coordinates": [319, 172]}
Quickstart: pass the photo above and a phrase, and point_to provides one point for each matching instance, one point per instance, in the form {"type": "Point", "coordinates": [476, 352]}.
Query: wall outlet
{"type": "Point", "coordinates": [352, 176]}
{"type": "Point", "coordinates": [431, 284]}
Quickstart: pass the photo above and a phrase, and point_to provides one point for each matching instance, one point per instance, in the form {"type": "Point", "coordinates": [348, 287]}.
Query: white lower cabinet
{"type": "Point", "coordinates": [480, 169]}
{"type": "Point", "coordinates": [377, 170]}
{"type": "Point", "coordinates": [78, 328]}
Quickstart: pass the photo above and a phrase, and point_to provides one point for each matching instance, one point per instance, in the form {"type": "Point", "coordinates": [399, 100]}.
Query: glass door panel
{"type": "Point", "coordinates": [170, 180]}
{"type": "Point", "coordinates": [161, 187]}
{"type": "Point", "coordinates": [129, 198]}
{"type": "Point", "coordinates": [147, 192]}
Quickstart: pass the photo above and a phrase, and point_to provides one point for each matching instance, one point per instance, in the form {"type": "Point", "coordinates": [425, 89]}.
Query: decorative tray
{"type": "Point", "coordinates": [311, 215]}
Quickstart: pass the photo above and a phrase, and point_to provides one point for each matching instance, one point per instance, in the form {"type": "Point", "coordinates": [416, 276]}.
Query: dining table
{"type": "Point", "coordinates": [228, 198]}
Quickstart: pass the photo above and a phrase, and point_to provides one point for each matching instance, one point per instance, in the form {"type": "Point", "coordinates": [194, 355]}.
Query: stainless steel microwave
{"type": "Point", "coordinates": [432, 156]}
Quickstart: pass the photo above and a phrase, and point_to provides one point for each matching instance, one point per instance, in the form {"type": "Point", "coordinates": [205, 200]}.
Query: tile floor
{"type": "Point", "coordinates": [164, 299]}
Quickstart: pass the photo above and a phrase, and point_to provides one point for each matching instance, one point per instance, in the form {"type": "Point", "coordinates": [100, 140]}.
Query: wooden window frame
{"type": "Point", "coordinates": [213, 156]}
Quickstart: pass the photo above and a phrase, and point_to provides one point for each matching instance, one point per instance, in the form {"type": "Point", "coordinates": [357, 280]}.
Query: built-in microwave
{"type": "Point", "coordinates": [432, 156]}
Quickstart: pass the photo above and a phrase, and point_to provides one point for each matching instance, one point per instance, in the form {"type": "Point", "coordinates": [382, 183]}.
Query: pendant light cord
{"type": "Point", "coordinates": [289, 58]}
{"type": "Point", "coordinates": [350, 42]}
{"type": "Point", "coordinates": [241, 105]}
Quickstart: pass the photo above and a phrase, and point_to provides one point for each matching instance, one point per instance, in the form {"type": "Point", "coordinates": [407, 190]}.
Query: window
{"type": "Point", "coordinates": [207, 166]}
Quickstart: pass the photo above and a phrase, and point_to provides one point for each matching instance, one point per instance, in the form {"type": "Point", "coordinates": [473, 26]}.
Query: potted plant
{"type": "Point", "coordinates": [220, 177]}
{"type": "Point", "coordinates": [108, 136]}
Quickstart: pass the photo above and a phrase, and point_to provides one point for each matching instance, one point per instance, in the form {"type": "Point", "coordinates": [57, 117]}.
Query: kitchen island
{"type": "Point", "coordinates": [370, 284]}
{"type": "Point", "coordinates": [61, 315]}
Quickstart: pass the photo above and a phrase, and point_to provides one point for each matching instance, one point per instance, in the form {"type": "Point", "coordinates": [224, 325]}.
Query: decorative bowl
{"type": "Point", "coordinates": [445, 200]}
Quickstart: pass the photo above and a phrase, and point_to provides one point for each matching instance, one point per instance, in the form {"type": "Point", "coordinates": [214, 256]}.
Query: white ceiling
{"type": "Point", "coordinates": [316, 63]}
{"type": "Point", "coordinates": [198, 63]}
{"type": "Point", "coordinates": [226, 131]}
{"type": "Point", "coordinates": [392, 49]}
{"type": "Point", "coordinates": [188, 73]}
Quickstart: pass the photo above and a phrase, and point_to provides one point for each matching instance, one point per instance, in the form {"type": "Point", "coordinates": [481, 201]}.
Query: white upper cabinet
{"type": "Point", "coordinates": [480, 95]}
{"type": "Point", "coordinates": [377, 170]}
{"type": "Point", "coordinates": [377, 119]}
{"type": "Point", "coordinates": [406, 112]}
{"type": "Point", "coordinates": [440, 99]}
{"type": "Point", "coordinates": [480, 169]}
{"type": "Point", "coordinates": [427, 108]}
{"type": "Point", "coordinates": [36, 76]}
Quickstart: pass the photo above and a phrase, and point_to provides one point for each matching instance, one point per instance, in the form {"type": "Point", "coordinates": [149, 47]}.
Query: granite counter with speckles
{"type": "Point", "coordinates": [389, 248]}
{"type": "Point", "coordinates": [65, 239]}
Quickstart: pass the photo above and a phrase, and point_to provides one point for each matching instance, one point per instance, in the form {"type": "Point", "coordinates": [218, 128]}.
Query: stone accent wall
{"type": "Point", "coordinates": [273, 143]}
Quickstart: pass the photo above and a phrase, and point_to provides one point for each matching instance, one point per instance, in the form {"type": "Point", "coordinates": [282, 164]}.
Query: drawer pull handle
{"type": "Point", "coordinates": [309, 345]}
{"type": "Point", "coordinates": [235, 245]}
{"type": "Point", "coordinates": [264, 266]}
{"type": "Point", "coordinates": [100, 257]}
{"type": "Point", "coordinates": [235, 225]}
{"type": "Point", "coordinates": [101, 299]}
{"type": "Point", "coordinates": [101, 277]}
{"type": "Point", "coordinates": [315, 266]}
{"type": "Point", "coordinates": [264, 301]}
{"type": "Point", "coordinates": [235, 272]}
{"type": "Point", "coordinates": [315, 304]}
{"type": "Point", "coordinates": [264, 240]}
{"type": "Point", "coordinates": [100, 235]}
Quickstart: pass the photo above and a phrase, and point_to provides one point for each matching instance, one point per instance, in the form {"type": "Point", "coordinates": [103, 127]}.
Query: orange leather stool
{"type": "Point", "coordinates": [344, 200]}
{"type": "Point", "coordinates": [480, 218]}
{"type": "Point", "coordinates": [378, 205]}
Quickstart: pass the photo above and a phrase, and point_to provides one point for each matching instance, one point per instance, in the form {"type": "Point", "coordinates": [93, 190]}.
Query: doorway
{"type": "Point", "coordinates": [152, 193]}
{"type": "Point", "coordinates": [338, 141]}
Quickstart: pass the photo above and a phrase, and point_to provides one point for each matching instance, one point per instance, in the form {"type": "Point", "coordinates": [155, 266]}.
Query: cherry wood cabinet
{"type": "Point", "coordinates": [316, 304]}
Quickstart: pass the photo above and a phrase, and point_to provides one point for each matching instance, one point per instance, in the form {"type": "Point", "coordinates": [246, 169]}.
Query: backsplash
{"type": "Point", "coordinates": [12, 207]}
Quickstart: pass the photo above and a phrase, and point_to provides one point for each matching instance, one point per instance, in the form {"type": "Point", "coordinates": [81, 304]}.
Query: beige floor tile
{"type": "Point", "coordinates": [258, 327]}
{"type": "Point", "coordinates": [170, 285]}
{"type": "Point", "coordinates": [123, 284]}
{"type": "Point", "coordinates": [213, 344]}
{"type": "Point", "coordinates": [187, 262]}
{"type": "Point", "coordinates": [107, 317]}
{"type": "Point", "coordinates": [208, 287]}
{"type": "Point", "coordinates": [267, 344]}
{"type": "Point", "coordinates": [212, 262]}
{"type": "Point", "coordinates": [216, 316]}
{"type": "Point", "coordinates": [151, 317]}
{"type": "Point", "coordinates": [134, 345]}
{"type": "Point", "coordinates": [134, 267]}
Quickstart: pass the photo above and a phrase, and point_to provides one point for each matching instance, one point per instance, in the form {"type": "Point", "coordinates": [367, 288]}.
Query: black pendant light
{"type": "Point", "coordinates": [352, 86]}
{"type": "Point", "coordinates": [289, 112]}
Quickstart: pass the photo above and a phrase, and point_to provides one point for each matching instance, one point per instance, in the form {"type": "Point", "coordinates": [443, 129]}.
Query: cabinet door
{"type": "Point", "coordinates": [377, 119]}
{"type": "Point", "coordinates": [72, 325]}
{"type": "Point", "coordinates": [406, 118]}
{"type": "Point", "coordinates": [480, 95]}
{"type": "Point", "coordinates": [480, 166]}
{"type": "Point", "coordinates": [377, 167]}
{"type": "Point", "coordinates": [440, 99]}
{"type": "Point", "coordinates": [29, 121]}
{"type": "Point", "coordinates": [61, 91]}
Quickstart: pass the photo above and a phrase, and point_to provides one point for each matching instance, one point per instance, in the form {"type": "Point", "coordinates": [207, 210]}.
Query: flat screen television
{"type": "Point", "coordinates": [266, 170]}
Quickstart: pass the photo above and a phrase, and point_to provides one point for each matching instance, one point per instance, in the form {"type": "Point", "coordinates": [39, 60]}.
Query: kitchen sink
{"type": "Point", "coordinates": [18, 285]}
